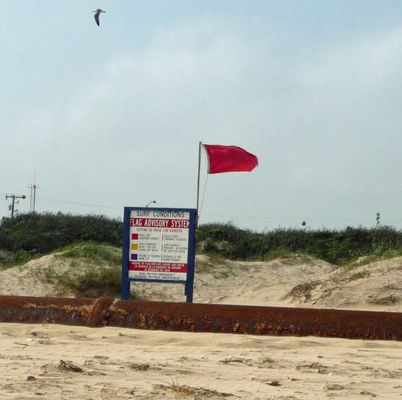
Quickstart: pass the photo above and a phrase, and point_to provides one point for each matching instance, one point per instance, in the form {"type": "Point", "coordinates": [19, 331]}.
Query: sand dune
{"type": "Point", "coordinates": [299, 282]}
{"type": "Point", "coordinates": [295, 282]}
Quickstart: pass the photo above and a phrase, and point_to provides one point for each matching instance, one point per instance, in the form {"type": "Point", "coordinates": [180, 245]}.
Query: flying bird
{"type": "Point", "coordinates": [97, 13]}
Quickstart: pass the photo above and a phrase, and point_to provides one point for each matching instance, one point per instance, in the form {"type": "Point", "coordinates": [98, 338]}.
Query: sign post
{"type": "Point", "coordinates": [159, 246]}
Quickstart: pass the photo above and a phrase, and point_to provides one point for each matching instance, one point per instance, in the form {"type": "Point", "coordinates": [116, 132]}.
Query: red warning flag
{"type": "Point", "coordinates": [229, 159]}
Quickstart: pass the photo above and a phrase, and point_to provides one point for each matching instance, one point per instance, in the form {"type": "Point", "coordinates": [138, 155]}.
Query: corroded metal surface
{"type": "Point", "coordinates": [49, 310]}
{"type": "Point", "coordinates": [256, 320]}
{"type": "Point", "coordinates": [99, 313]}
{"type": "Point", "coordinates": [203, 317]}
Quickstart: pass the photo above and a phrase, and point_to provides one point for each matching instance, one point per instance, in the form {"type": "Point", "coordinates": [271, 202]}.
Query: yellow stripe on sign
{"type": "Point", "coordinates": [134, 246]}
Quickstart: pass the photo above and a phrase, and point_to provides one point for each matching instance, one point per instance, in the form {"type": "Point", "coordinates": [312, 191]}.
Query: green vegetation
{"type": "Point", "coordinates": [337, 247]}
{"type": "Point", "coordinates": [99, 267]}
{"type": "Point", "coordinates": [90, 244]}
{"type": "Point", "coordinates": [93, 270]}
{"type": "Point", "coordinates": [92, 251]}
{"type": "Point", "coordinates": [98, 281]}
{"type": "Point", "coordinates": [33, 234]}
{"type": "Point", "coordinates": [27, 235]}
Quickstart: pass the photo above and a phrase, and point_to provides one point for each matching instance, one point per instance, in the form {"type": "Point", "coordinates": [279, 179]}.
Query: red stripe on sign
{"type": "Point", "coordinates": [160, 223]}
{"type": "Point", "coordinates": [158, 267]}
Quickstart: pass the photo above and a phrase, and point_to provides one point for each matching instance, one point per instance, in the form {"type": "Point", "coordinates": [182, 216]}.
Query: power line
{"type": "Point", "coordinates": [228, 217]}
{"type": "Point", "coordinates": [80, 204]}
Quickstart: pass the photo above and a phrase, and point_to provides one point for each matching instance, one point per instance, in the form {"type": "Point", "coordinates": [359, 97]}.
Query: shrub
{"type": "Point", "coordinates": [43, 233]}
{"type": "Point", "coordinates": [336, 247]}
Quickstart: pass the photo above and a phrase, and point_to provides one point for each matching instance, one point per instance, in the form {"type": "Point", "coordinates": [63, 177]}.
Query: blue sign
{"type": "Point", "coordinates": [159, 246]}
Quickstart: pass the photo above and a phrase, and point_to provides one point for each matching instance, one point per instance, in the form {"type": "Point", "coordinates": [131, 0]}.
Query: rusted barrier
{"type": "Point", "coordinates": [203, 317]}
{"type": "Point", "coordinates": [38, 310]}
{"type": "Point", "coordinates": [256, 320]}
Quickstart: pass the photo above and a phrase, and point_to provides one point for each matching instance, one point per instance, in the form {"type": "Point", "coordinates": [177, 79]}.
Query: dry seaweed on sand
{"type": "Point", "coordinates": [193, 391]}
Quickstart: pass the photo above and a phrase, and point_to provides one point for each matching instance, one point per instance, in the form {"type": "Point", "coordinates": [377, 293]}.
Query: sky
{"type": "Point", "coordinates": [100, 118]}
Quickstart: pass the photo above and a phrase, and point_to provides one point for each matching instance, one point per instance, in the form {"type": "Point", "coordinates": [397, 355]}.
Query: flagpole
{"type": "Point", "coordinates": [198, 180]}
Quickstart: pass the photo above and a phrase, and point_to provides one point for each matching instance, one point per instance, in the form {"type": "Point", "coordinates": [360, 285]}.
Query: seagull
{"type": "Point", "coordinates": [97, 13]}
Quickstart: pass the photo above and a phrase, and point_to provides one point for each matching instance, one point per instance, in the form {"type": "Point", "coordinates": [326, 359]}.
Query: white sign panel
{"type": "Point", "coordinates": [159, 243]}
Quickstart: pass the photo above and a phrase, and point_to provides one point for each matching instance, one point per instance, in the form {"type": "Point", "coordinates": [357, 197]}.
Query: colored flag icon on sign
{"type": "Point", "coordinates": [229, 159]}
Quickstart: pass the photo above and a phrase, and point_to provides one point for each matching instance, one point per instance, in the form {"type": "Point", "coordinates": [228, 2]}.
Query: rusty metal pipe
{"type": "Point", "coordinates": [203, 317]}
{"type": "Point", "coordinates": [256, 320]}
{"type": "Point", "coordinates": [38, 310]}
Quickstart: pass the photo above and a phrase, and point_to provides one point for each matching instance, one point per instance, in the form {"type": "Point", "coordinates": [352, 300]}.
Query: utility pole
{"type": "Point", "coordinates": [11, 207]}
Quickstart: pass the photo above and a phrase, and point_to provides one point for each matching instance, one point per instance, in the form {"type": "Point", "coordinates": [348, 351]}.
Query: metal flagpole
{"type": "Point", "coordinates": [198, 181]}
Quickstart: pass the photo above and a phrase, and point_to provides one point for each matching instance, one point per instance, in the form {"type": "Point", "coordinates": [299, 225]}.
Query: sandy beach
{"type": "Point", "coordinates": [68, 362]}
{"type": "Point", "coordinates": [64, 362]}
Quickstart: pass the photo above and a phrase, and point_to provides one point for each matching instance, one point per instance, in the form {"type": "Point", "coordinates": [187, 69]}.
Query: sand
{"type": "Point", "coordinates": [67, 362]}
{"type": "Point", "coordinates": [61, 362]}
